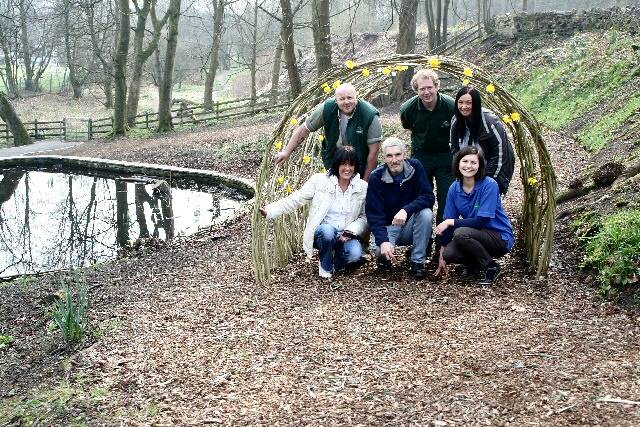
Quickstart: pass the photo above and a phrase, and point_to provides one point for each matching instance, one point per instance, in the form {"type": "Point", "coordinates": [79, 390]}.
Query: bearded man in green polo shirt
{"type": "Point", "coordinates": [347, 120]}
{"type": "Point", "coordinates": [428, 116]}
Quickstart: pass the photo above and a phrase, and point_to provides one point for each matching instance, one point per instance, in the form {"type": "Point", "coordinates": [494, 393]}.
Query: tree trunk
{"type": "Point", "coordinates": [165, 90]}
{"type": "Point", "coordinates": [141, 54]}
{"type": "Point", "coordinates": [254, 54]}
{"type": "Point", "coordinates": [438, 22]}
{"type": "Point", "coordinates": [218, 20]}
{"type": "Point", "coordinates": [445, 21]}
{"type": "Point", "coordinates": [525, 5]}
{"type": "Point", "coordinates": [107, 88]}
{"type": "Point", "coordinates": [275, 72]}
{"type": "Point", "coordinates": [289, 48]}
{"type": "Point", "coordinates": [23, 7]}
{"type": "Point", "coordinates": [76, 83]}
{"type": "Point", "coordinates": [406, 43]}
{"type": "Point", "coordinates": [10, 117]}
{"type": "Point", "coordinates": [479, 17]}
{"type": "Point", "coordinates": [430, 19]}
{"type": "Point", "coordinates": [120, 70]}
{"type": "Point", "coordinates": [321, 35]}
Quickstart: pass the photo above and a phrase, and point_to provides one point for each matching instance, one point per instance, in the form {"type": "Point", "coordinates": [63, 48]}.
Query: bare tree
{"type": "Point", "coordinates": [120, 68]}
{"type": "Point", "coordinates": [35, 55]}
{"type": "Point", "coordinates": [406, 43]}
{"type": "Point", "coordinates": [102, 42]}
{"type": "Point", "coordinates": [275, 72]}
{"type": "Point", "coordinates": [213, 61]}
{"type": "Point", "coordinates": [436, 15]}
{"type": "Point", "coordinates": [289, 48]}
{"type": "Point", "coordinates": [78, 54]}
{"type": "Point", "coordinates": [141, 53]}
{"type": "Point", "coordinates": [322, 35]}
{"type": "Point", "coordinates": [9, 44]}
{"type": "Point", "coordinates": [166, 85]}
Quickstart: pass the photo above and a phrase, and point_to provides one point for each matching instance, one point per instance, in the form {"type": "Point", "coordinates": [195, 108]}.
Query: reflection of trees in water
{"type": "Point", "coordinates": [160, 203]}
{"type": "Point", "coordinates": [21, 235]}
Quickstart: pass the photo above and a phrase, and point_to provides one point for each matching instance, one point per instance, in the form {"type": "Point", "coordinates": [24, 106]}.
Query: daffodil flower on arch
{"type": "Point", "coordinates": [351, 64]}
{"type": "Point", "coordinates": [467, 72]}
{"type": "Point", "coordinates": [336, 84]}
{"type": "Point", "coordinates": [320, 138]}
{"type": "Point", "coordinates": [466, 82]}
{"type": "Point", "coordinates": [278, 145]}
{"type": "Point", "coordinates": [434, 63]}
{"type": "Point", "coordinates": [366, 72]}
{"type": "Point", "coordinates": [490, 88]}
{"type": "Point", "coordinates": [386, 71]}
{"type": "Point", "coordinates": [506, 118]}
{"type": "Point", "coordinates": [294, 121]}
{"type": "Point", "coordinates": [280, 180]}
{"type": "Point", "coordinates": [515, 116]}
{"type": "Point", "coordinates": [532, 181]}
{"type": "Point", "coordinates": [306, 159]}
{"type": "Point", "coordinates": [289, 189]}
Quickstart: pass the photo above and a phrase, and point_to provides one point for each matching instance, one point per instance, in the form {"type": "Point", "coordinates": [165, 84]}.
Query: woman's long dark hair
{"type": "Point", "coordinates": [344, 155]}
{"type": "Point", "coordinates": [475, 121]}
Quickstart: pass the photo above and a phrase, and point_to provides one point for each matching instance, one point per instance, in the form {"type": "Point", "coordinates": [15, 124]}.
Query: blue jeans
{"type": "Point", "coordinates": [416, 232]}
{"type": "Point", "coordinates": [334, 254]}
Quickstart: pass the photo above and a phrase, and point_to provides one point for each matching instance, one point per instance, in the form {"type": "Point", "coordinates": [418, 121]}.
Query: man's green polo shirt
{"type": "Point", "coordinates": [429, 129]}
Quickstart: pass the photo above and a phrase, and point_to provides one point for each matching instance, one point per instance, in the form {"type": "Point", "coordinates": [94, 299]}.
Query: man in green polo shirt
{"type": "Point", "coordinates": [347, 120]}
{"type": "Point", "coordinates": [428, 116]}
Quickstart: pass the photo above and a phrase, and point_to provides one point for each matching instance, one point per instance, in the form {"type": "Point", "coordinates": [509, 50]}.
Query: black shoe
{"type": "Point", "coordinates": [466, 270]}
{"type": "Point", "coordinates": [418, 270]}
{"type": "Point", "coordinates": [491, 274]}
{"type": "Point", "coordinates": [384, 264]}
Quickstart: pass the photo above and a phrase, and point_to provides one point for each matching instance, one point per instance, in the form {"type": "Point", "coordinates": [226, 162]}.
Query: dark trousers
{"type": "Point", "coordinates": [474, 248]}
{"type": "Point", "coordinates": [437, 166]}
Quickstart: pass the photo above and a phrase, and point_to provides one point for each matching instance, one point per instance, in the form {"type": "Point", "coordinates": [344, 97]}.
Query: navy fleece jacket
{"type": "Point", "coordinates": [385, 197]}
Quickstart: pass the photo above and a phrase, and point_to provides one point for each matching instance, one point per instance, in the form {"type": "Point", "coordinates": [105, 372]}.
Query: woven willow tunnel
{"type": "Point", "coordinates": [274, 242]}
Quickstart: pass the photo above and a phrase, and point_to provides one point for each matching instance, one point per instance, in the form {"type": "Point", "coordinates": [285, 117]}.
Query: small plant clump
{"type": "Point", "coordinates": [5, 341]}
{"type": "Point", "coordinates": [70, 311]}
{"type": "Point", "coordinates": [612, 248]}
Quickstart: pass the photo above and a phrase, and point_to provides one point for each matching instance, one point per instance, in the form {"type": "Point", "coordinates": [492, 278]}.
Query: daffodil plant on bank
{"type": "Point", "coordinates": [272, 245]}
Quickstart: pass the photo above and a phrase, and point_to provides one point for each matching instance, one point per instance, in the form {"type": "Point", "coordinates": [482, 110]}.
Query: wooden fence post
{"type": "Point", "coordinates": [217, 109]}
{"type": "Point", "coordinates": [64, 128]}
{"type": "Point", "coordinates": [90, 129]}
{"type": "Point", "coordinates": [146, 119]}
{"type": "Point", "coordinates": [35, 129]}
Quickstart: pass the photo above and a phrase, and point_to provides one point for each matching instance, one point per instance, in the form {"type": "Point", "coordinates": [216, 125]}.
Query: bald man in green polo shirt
{"type": "Point", "coordinates": [346, 120]}
{"type": "Point", "coordinates": [428, 115]}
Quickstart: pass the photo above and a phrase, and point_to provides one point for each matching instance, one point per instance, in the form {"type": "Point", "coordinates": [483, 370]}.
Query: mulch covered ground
{"type": "Point", "coordinates": [188, 338]}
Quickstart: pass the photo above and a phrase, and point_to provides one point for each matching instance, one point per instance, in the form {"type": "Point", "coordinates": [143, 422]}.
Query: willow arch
{"type": "Point", "coordinates": [273, 244]}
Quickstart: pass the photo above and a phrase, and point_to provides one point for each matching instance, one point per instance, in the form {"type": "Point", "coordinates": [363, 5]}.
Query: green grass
{"type": "Point", "coordinates": [612, 248]}
{"type": "Point", "coordinates": [597, 135]}
{"type": "Point", "coordinates": [563, 83]}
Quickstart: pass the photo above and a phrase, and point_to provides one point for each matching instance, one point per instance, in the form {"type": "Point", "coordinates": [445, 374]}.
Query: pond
{"type": "Point", "coordinates": [53, 220]}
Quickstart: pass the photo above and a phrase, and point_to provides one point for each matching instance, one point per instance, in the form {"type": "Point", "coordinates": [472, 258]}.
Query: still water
{"type": "Point", "coordinates": [56, 220]}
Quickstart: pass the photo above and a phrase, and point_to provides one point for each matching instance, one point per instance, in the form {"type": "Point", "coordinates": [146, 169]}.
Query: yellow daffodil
{"type": "Point", "coordinates": [434, 63]}
{"type": "Point", "coordinates": [351, 64]}
{"type": "Point", "coordinates": [506, 118]}
{"type": "Point", "coordinates": [515, 116]}
{"type": "Point", "coordinates": [402, 67]}
{"type": "Point", "coordinates": [320, 137]}
{"type": "Point", "coordinates": [386, 71]}
{"type": "Point", "coordinates": [532, 181]}
{"type": "Point", "coordinates": [306, 159]}
{"type": "Point", "coordinates": [324, 170]}
{"type": "Point", "coordinates": [294, 121]}
{"type": "Point", "coordinates": [467, 72]}
{"type": "Point", "coordinates": [366, 72]}
{"type": "Point", "coordinates": [336, 84]}
{"type": "Point", "coordinates": [326, 89]}
{"type": "Point", "coordinates": [490, 88]}
{"type": "Point", "coordinates": [278, 145]}
{"type": "Point", "coordinates": [289, 189]}
{"type": "Point", "coordinates": [466, 82]}
{"type": "Point", "coordinates": [325, 84]}
{"type": "Point", "coordinates": [280, 180]}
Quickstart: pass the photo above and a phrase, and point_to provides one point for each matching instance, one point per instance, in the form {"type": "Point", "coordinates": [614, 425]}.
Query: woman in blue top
{"type": "Point", "coordinates": [476, 228]}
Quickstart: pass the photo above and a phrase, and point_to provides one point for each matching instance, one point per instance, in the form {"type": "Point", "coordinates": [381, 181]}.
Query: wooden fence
{"type": "Point", "coordinates": [183, 114]}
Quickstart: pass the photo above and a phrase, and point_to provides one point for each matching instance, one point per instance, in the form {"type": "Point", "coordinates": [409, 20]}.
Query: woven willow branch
{"type": "Point", "coordinates": [273, 243]}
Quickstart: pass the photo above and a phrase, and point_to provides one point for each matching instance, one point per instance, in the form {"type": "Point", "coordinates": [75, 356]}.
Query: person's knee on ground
{"type": "Point", "coordinates": [422, 227]}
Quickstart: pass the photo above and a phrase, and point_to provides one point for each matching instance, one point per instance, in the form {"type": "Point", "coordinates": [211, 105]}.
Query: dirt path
{"type": "Point", "coordinates": [191, 339]}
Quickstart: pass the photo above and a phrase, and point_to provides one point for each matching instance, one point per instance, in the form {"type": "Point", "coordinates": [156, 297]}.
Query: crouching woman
{"type": "Point", "coordinates": [336, 221]}
{"type": "Point", "coordinates": [476, 228]}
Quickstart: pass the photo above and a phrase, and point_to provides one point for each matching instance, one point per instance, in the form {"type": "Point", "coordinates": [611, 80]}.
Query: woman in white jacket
{"type": "Point", "coordinates": [336, 221]}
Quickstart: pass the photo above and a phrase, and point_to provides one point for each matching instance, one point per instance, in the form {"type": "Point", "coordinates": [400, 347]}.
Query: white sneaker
{"type": "Point", "coordinates": [323, 273]}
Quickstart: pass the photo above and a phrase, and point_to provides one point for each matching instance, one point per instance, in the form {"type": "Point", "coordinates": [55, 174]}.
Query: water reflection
{"type": "Point", "coordinates": [54, 220]}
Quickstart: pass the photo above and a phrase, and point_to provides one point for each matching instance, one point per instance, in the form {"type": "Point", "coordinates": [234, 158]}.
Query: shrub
{"type": "Point", "coordinates": [70, 311]}
{"type": "Point", "coordinates": [614, 250]}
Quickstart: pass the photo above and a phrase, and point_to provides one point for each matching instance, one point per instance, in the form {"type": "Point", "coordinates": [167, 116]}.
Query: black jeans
{"type": "Point", "coordinates": [474, 248]}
